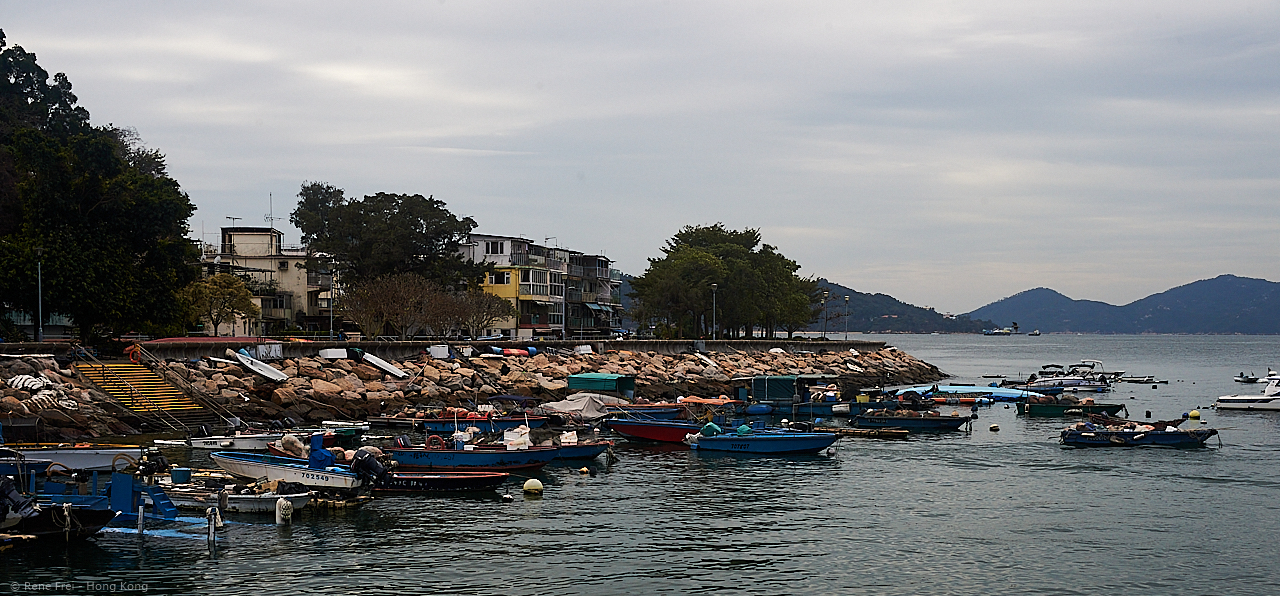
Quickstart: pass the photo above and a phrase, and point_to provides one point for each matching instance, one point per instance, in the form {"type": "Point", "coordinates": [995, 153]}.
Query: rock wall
{"type": "Point", "coordinates": [321, 389]}
{"type": "Point", "coordinates": [68, 407]}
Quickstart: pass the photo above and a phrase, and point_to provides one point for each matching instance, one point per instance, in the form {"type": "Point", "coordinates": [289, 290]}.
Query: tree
{"type": "Point", "coordinates": [111, 223]}
{"type": "Point", "coordinates": [220, 299]}
{"type": "Point", "coordinates": [386, 233]}
{"type": "Point", "coordinates": [758, 288]}
{"type": "Point", "coordinates": [481, 309]}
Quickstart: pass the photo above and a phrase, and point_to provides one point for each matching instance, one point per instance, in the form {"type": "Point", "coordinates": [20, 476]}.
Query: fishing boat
{"type": "Point", "coordinates": [662, 431]}
{"type": "Point", "coordinates": [763, 442]}
{"type": "Point", "coordinates": [909, 420]}
{"type": "Point", "coordinates": [393, 421]}
{"type": "Point", "coordinates": [1074, 409]}
{"type": "Point", "coordinates": [434, 457]}
{"type": "Point", "coordinates": [13, 463]}
{"type": "Point", "coordinates": [194, 497]}
{"type": "Point", "coordinates": [649, 411]}
{"type": "Point", "coordinates": [1268, 401]}
{"type": "Point", "coordinates": [583, 450]}
{"type": "Point", "coordinates": [424, 482]}
{"type": "Point", "coordinates": [485, 424]}
{"type": "Point", "coordinates": [291, 469]}
{"type": "Point", "coordinates": [994, 393]}
{"type": "Point", "coordinates": [1087, 434]}
{"type": "Point", "coordinates": [238, 442]}
{"type": "Point", "coordinates": [93, 457]}
{"type": "Point", "coordinates": [23, 517]}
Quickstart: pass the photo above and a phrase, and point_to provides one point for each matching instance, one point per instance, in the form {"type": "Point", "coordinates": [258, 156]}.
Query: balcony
{"type": "Point", "coordinates": [533, 322]}
{"type": "Point", "coordinates": [573, 295]}
{"type": "Point", "coordinates": [589, 296]}
{"type": "Point", "coordinates": [542, 290]}
{"type": "Point", "coordinates": [528, 260]}
{"type": "Point", "coordinates": [574, 271]}
{"type": "Point", "coordinates": [615, 275]}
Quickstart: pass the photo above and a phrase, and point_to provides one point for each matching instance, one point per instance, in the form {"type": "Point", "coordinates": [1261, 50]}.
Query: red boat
{"type": "Point", "coordinates": [663, 431]}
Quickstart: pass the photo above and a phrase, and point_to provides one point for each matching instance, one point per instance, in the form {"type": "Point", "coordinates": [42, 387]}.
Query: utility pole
{"type": "Point", "coordinates": [825, 316]}
{"type": "Point", "coordinates": [846, 317]}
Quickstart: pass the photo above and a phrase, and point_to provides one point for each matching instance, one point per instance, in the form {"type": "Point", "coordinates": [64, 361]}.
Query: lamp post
{"type": "Point", "coordinates": [846, 317]}
{"type": "Point", "coordinates": [40, 293]}
{"type": "Point", "coordinates": [825, 317]}
{"type": "Point", "coordinates": [330, 299]}
{"type": "Point", "coordinates": [714, 331]}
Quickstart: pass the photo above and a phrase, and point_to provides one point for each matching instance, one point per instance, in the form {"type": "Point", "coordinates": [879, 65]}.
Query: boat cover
{"type": "Point", "coordinates": [591, 406]}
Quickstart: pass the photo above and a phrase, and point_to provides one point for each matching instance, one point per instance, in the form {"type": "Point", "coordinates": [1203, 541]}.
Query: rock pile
{"type": "Point", "coordinates": [322, 389]}
{"type": "Point", "coordinates": [69, 407]}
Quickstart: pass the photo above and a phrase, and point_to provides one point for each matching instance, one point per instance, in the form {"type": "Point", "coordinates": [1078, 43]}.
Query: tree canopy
{"type": "Point", "coordinates": [385, 233]}
{"type": "Point", "coordinates": [111, 224]}
{"type": "Point", "coordinates": [220, 299]}
{"type": "Point", "coordinates": [756, 288]}
{"type": "Point", "coordinates": [408, 304]}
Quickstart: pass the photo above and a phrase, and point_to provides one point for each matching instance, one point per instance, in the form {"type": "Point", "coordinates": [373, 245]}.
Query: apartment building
{"type": "Point", "coordinates": [287, 293]}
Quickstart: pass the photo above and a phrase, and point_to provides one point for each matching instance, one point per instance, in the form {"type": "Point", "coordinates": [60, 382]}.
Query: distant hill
{"type": "Point", "coordinates": [884, 313]}
{"type": "Point", "coordinates": [1225, 304]}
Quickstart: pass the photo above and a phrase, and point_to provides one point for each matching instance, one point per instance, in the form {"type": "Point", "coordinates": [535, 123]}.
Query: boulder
{"type": "Point", "coordinates": [325, 388]}
{"type": "Point", "coordinates": [431, 373]}
{"type": "Point", "coordinates": [284, 396]}
{"type": "Point", "coordinates": [313, 371]}
{"type": "Point", "coordinates": [366, 372]}
{"type": "Point", "coordinates": [343, 364]}
{"type": "Point", "coordinates": [349, 383]}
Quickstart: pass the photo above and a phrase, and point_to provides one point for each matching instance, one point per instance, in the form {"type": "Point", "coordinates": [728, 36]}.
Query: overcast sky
{"type": "Point", "coordinates": [946, 153]}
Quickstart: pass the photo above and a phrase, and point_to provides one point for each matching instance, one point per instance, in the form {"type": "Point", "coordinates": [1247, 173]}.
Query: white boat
{"type": "Point", "coordinates": [187, 497]}
{"type": "Point", "coordinates": [99, 457]}
{"type": "Point", "coordinates": [260, 367]}
{"type": "Point", "coordinates": [385, 366]}
{"type": "Point", "coordinates": [239, 442]}
{"type": "Point", "coordinates": [254, 465]}
{"type": "Point", "coordinates": [1243, 378]}
{"type": "Point", "coordinates": [1268, 401]}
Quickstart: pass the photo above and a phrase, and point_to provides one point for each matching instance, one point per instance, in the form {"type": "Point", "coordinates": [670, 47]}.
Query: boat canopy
{"type": "Point", "coordinates": [591, 406]}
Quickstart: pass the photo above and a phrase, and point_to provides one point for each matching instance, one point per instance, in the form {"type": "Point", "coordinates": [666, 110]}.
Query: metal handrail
{"type": "Point", "coordinates": [102, 366]}
{"type": "Point", "coordinates": [189, 389]}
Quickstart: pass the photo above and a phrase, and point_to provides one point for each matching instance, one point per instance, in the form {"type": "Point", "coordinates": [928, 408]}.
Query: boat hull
{"type": "Point", "coordinates": [421, 459]}
{"type": "Point", "coordinates": [648, 412]}
{"type": "Point", "coordinates": [767, 443]}
{"type": "Point", "coordinates": [94, 458]}
{"type": "Point", "coordinates": [256, 442]}
{"type": "Point", "coordinates": [1032, 409]}
{"type": "Point", "coordinates": [911, 423]}
{"type": "Point", "coordinates": [257, 465]}
{"type": "Point", "coordinates": [655, 430]}
{"type": "Point", "coordinates": [487, 425]}
{"type": "Point", "coordinates": [203, 499]}
{"type": "Point", "coordinates": [51, 524]}
{"type": "Point", "coordinates": [1267, 404]}
{"type": "Point", "coordinates": [11, 466]}
{"type": "Point", "coordinates": [420, 482]}
{"type": "Point", "coordinates": [1107, 438]}
{"type": "Point", "coordinates": [584, 450]}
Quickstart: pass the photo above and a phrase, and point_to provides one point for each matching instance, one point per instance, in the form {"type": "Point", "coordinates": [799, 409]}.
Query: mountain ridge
{"type": "Point", "coordinates": [1226, 304]}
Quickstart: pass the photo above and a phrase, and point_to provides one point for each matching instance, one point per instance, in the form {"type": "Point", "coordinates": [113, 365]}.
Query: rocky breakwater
{"type": "Point", "coordinates": [344, 389]}
{"type": "Point", "coordinates": [66, 407]}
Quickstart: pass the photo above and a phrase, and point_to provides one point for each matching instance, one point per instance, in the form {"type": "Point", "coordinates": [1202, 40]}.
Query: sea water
{"type": "Point", "coordinates": [1007, 512]}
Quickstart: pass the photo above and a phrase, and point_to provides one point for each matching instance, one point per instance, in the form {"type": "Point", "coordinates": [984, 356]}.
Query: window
{"type": "Point", "coordinates": [494, 248]}
{"type": "Point", "coordinates": [537, 276]}
{"type": "Point", "coordinates": [499, 278]}
{"type": "Point", "coordinates": [283, 265]}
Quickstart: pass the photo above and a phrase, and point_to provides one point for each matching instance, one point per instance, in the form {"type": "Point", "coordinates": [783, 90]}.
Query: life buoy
{"type": "Point", "coordinates": [132, 351]}
{"type": "Point", "coordinates": [435, 442]}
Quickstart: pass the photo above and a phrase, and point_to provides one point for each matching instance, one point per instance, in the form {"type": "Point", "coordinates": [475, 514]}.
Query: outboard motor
{"type": "Point", "coordinates": [367, 467]}
{"type": "Point", "coordinates": [12, 500]}
{"type": "Point", "coordinates": [403, 441]}
{"type": "Point", "coordinates": [153, 463]}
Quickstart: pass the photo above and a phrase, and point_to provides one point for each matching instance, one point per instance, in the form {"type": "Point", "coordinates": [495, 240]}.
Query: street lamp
{"type": "Point", "coordinates": [846, 317]}
{"type": "Point", "coordinates": [40, 293]}
{"type": "Point", "coordinates": [825, 316]}
{"type": "Point", "coordinates": [714, 332]}
{"type": "Point", "coordinates": [330, 299]}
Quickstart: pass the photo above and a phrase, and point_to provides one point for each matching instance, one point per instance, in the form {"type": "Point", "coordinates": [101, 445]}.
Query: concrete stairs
{"type": "Point", "coordinates": [142, 390]}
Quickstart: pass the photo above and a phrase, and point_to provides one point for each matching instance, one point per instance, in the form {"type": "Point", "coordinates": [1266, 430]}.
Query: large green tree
{"type": "Point", "coordinates": [220, 299]}
{"type": "Point", "coordinates": [755, 288]}
{"type": "Point", "coordinates": [92, 204]}
{"type": "Point", "coordinates": [385, 233]}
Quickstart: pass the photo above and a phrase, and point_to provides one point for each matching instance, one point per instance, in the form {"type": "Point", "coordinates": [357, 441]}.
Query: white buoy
{"type": "Point", "coordinates": [533, 486]}
{"type": "Point", "coordinates": [995, 428]}
{"type": "Point", "coordinates": [284, 512]}
{"type": "Point", "coordinates": [507, 498]}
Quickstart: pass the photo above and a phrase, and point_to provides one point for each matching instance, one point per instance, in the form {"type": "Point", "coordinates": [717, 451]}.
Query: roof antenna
{"type": "Point", "coordinates": [271, 211]}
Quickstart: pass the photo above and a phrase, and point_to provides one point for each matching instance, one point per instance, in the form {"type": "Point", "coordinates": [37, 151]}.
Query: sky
{"type": "Point", "coordinates": [946, 153]}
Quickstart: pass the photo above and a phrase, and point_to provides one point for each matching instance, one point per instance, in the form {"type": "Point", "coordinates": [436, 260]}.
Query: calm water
{"type": "Point", "coordinates": [1008, 512]}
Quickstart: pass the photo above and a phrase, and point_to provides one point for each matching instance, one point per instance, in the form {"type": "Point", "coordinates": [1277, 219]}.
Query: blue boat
{"type": "Point", "coordinates": [764, 442]}
{"type": "Point", "coordinates": [13, 463]}
{"type": "Point", "coordinates": [892, 419]}
{"type": "Point", "coordinates": [471, 460]}
{"type": "Point", "coordinates": [589, 450]}
{"type": "Point", "coordinates": [759, 409]}
{"type": "Point", "coordinates": [995, 393]}
{"type": "Point", "coordinates": [1102, 437]}
{"type": "Point", "coordinates": [486, 425]}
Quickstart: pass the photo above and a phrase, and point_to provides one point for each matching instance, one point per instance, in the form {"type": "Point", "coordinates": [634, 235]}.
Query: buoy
{"type": "Point", "coordinates": [1148, 413]}
{"type": "Point", "coordinates": [995, 428]}
{"type": "Point", "coordinates": [1194, 414]}
{"type": "Point", "coordinates": [507, 498]}
{"type": "Point", "coordinates": [584, 470]}
{"type": "Point", "coordinates": [1153, 386]}
{"type": "Point", "coordinates": [1186, 414]}
{"type": "Point", "coordinates": [831, 450]}
{"type": "Point", "coordinates": [284, 512]}
{"type": "Point", "coordinates": [533, 486]}
{"type": "Point", "coordinates": [1006, 406]}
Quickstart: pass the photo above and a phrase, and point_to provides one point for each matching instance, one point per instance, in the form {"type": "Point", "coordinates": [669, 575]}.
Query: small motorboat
{"type": "Point", "coordinates": [93, 457]}
{"type": "Point", "coordinates": [23, 517]}
{"type": "Point", "coordinates": [13, 463]}
{"type": "Point", "coordinates": [427, 482]}
{"type": "Point", "coordinates": [238, 441]}
{"type": "Point", "coordinates": [766, 442]}
{"type": "Point", "coordinates": [317, 471]}
{"type": "Point", "coordinates": [199, 498]}
{"type": "Point", "coordinates": [1133, 434]}
{"type": "Point", "coordinates": [662, 431]}
{"type": "Point", "coordinates": [1249, 378]}
{"type": "Point", "coordinates": [435, 456]}
{"type": "Point", "coordinates": [484, 423]}
{"type": "Point", "coordinates": [1069, 409]}
{"type": "Point", "coordinates": [910, 420]}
